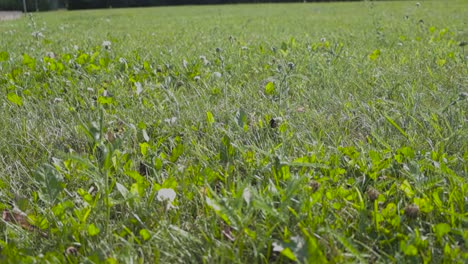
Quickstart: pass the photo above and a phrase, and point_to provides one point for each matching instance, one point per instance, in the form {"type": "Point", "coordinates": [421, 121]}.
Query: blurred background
{"type": "Point", "coordinates": [46, 5]}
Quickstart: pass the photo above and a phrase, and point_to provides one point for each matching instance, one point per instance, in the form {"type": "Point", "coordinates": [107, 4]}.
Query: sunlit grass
{"type": "Point", "coordinates": [247, 133]}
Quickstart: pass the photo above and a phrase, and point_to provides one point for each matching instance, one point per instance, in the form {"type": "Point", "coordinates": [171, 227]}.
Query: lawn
{"type": "Point", "coordinates": [332, 132]}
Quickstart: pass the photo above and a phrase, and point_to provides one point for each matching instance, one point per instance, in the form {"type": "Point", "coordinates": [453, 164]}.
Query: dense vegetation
{"type": "Point", "coordinates": [83, 4]}
{"type": "Point", "coordinates": [236, 134]}
{"type": "Point", "coordinates": [44, 5]}
{"type": "Point", "coordinates": [31, 5]}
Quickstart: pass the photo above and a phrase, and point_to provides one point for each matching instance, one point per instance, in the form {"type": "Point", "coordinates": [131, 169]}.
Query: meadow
{"type": "Point", "coordinates": [273, 133]}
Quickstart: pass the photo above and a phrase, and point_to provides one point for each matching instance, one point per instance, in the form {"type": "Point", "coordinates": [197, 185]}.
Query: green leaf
{"type": "Point", "coordinates": [374, 55]}
{"type": "Point", "coordinates": [209, 118]}
{"type": "Point", "coordinates": [170, 183]}
{"type": "Point", "coordinates": [270, 88]}
{"type": "Point", "coordinates": [391, 121]}
{"type": "Point", "coordinates": [390, 210]}
{"type": "Point", "coordinates": [442, 229]}
{"type": "Point", "coordinates": [93, 230]}
{"type": "Point", "coordinates": [85, 195]}
{"type": "Point", "coordinates": [350, 152]}
{"type": "Point", "coordinates": [289, 254]}
{"type": "Point", "coordinates": [50, 182]}
{"type": "Point", "coordinates": [284, 46]}
{"type": "Point", "coordinates": [406, 152]}
{"type": "Point", "coordinates": [111, 261]}
{"type": "Point", "coordinates": [424, 204]}
{"type": "Point", "coordinates": [176, 152]}
{"type": "Point", "coordinates": [441, 62]}
{"type": "Point", "coordinates": [284, 172]}
{"type": "Point", "coordinates": [241, 117]}
{"type": "Point", "coordinates": [407, 189]}
{"type": "Point", "coordinates": [82, 59]}
{"type": "Point", "coordinates": [145, 234]}
{"type": "Point", "coordinates": [122, 189]}
{"type": "Point", "coordinates": [105, 100]}
{"type": "Point", "coordinates": [147, 66]}
{"type": "Point", "coordinates": [136, 176]}
{"type": "Point", "coordinates": [14, 98]}
{"type": "Point", "coordinates": [144, 148]}
{"type": "Point", "coordinates": [142, 125]}
{"type": "Point", "coordinates": [436, 199]}
{"type": "Point", "coordinates": [158, 163]}
{"type": "Point", "coordinates": [250, 233]}
{"type": "Point", "coordinates": [28, 61]}
{"type": "Point", "coordinates": [104, 62]}
{"type": "Point", "coordinates": [409, 250]}
{"type": "Point", "coordinates": [138, 189]}
{"type": "Point", "coordinates": [219, 210]}
{"type": "Point", "coordinates": [447, 249]}
{"type": "Point", "coordinates": [4, 56]}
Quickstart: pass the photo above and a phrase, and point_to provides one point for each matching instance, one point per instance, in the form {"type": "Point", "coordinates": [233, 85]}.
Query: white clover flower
{"type": "Point", "coordinates": [196, 78]}
{"type": "Point", "coordinates": [37, 34]}
{"type": "Point", "coordinates": [75, 47]}
{"type": "Point", "coordinates": [122, 60]}
{"type": "Point", "coordinates": [106, 44]}
{"type": "Point", "coordinates": [277, 247]}
{"type": "Point", "coordinates": [171, 120]}
{"type": "Point", "coordinates": [323, 40]}
{"type": "Point", "coordinates": [139, 88]}
{"type": "Point", "coordinates": [217, 74]}
{"type": "Point", "coordinates": [90, 89]}
{"type": "Point", "coordinates": [50, 55]}
{"type": "Point", "coordinates": [418, 4]}
{"type": "Point", "coordinates": [205, 61]}
{"type": "Point", "coordinates": [300, 242]}
{"type": "Point", "coordinates": [244, 48]}
{"type": "Point", "coordinates": [247, 195]}
{"type": "Point", "coordinates": [165, 194]}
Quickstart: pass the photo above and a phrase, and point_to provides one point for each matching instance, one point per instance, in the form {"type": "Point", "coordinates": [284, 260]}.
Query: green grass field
{"type": "Point", "coordinates": [277, 133]}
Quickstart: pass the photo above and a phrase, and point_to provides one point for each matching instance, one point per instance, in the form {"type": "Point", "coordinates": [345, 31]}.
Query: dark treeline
{"type": "Point", "coordinates": [84, 4]}
{"type": "Point", "coordinates": [32, 5]}
{"type": "Point", "coordinates": [44, 5]}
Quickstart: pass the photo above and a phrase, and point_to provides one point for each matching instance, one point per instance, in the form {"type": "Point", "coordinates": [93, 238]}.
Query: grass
{"type": "Point", "coordinates": [236, 134]}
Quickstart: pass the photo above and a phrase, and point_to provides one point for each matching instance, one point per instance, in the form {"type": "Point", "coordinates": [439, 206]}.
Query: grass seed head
{"type": "Point", "coordinates": [106, 44]}
{"type": "Point", "coordinates": [71, 251]}
{"type": "Point", "coordinates": [314, 185]}
{"type": "Point", "coordinates": [373, 194]}
{"type": "Point", "coordinates": [412, 211]}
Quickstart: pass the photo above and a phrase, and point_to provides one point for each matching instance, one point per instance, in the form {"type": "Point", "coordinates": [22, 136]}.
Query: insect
{"type": "Point", "coordinates": [275, 122]}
